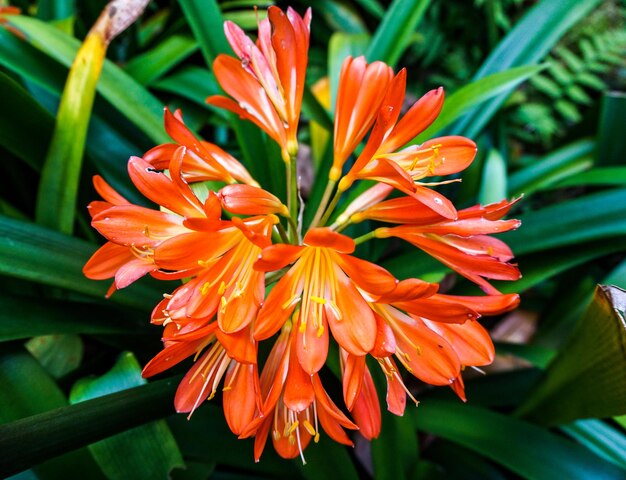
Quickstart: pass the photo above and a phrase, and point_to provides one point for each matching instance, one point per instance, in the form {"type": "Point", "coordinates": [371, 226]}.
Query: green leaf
{"type": "Point", "coordinates": [538, 453]}
{"type": "Point", "coordinates": [151, 65]}
{"type": "Point", "coordinates": [526, 44]}
{"type": "Point", "coordinates": [611, 138]}
{"type": "Point", "coordinates": [493, 185]}
{"type": "Point", "coordinates": [27, 389]}
{"type": "Point", "coordinates": [58, 187]}
{"type": "Point", "coordinates": [536, 269]}
{"type": "Point", "coordinates": [546, 86]}
{"type": "Point", "coordinates": [341, 46]}
{"type": "Point", "coordinates": [21, 317]}
{"type": "Point", "coordinates": [580, 382]}
{"type": "Point", "coordinates": [590, 217]}
{"type": "Point", "coordinates": [38, 254]}
{"type": "Point", "coordinates": [475, 93]}
{"type": "Point", "coordinates": [340, 16]}
{"type": "Point", "coordinates": [27, 120]}
{"type": "Point", "coordinates": [568, 110]}
{"type": "Point", "coordinates": [552, 168]}
{"type": "Point", "coordinates": [58, 354]}
{"type": "Point", "coordinates": [394, 33]}
{"type": "Point", "coordinates": [373, 7]}
{"type": "Point", "coordinates": [600, 438]}
{"type": "Point", "coordinates": [121, 90]}
{"type": "Point", "coordinates": [193, 83]}
{"type": "Point", "coordinates": [33, 439]}
{"type": "Point", "coordinates": [222, 447]}
{"type": "Point", "coordinates": [154, 437]}
{"type": "Point", "coordinates": [206, 22]}
{"type": "Point", "coordinates": [603, 176]}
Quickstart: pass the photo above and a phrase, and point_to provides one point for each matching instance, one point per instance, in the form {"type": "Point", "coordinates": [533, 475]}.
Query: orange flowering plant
{"type": "Point", "coordinates": [254, 272]}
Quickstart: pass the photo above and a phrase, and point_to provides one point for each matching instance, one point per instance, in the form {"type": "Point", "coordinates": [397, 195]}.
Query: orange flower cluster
{"type": "Point", "coordinates": [233, 245]}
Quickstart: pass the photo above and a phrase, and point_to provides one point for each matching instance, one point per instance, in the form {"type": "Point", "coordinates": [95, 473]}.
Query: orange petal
{"type": "Point", "coordinates": [435, 201]}
{"type": "Point", "coordinates": [366, 275]}
{"type": "Point", "coordinates": [134, 225]}
{"type": "Point", "coordinates": [470, 341]}
{"type": "Point", "coordinates": [425, 354]}
{"type": "Point", "coordinates": [312, 340]}
{"type": "Point", "coordinates": [351, 376]}
{"type": "Point", "coordinates": [366, 410]}
{"type": "Point", "coordinates": [325, 237]}
{"type": "Point", "coordinates": [385, 343]}
{"type": "Point", "coordinates": [298, 393]}
{"type": "Point", "coordinates": [239, 345]}
{"type": "Point", "coordinates": [247, 200]}
{"type": "Point", "coordinates": [396, 392]}
{"type": "Point", "coordinates": [278, 306]}
{"type": "Point", "coordinates": [485, 305]}
{"type": "Point", "coordinates": [277, 256]}
{"type": "Point", "coordinates": [107, 192]}
{"type": "Point", "coordinates": [353, 325]}
{"type": "Point", "coordinates": [415, 121]}
{"type": "Point", "coordinates": [170, 356]}
{"type": "Point", "coordinates": [240, 396]}
{"type": "Point", "coordinates": [107, 260]}
{"type": "Point", "coordinates": [409, 289]}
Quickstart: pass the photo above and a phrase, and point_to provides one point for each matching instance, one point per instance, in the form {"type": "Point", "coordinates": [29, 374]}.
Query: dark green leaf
{"type": "Point", "coordinates": [394, 33]}
{"type": "Point", "coordinates": [58, 354]}
{"type": "Point", "coordinates": [553, 167]}
{"type": "Point", "coordinates": [206, 22]}
{"type": "Point", "coordinates": [581, 381]}
{"type": "Point", "coordinates": [605, 176]}
{"type": "Point", "coordinates": [475, 93]}
{"type": "Point", "coordinates": [154, 437]}
{"type": "Point", "coordinates": [21, 317]}
{"type": "Point", "coordinates": [124, 93]}
{"type": "Point", "coordinates": [611, 138]}
{"type": "Point", "coordinates": [27, 389]}
{"type": "Point", "coordinates": [526, 44]}
{"type": "Point", "coordinates": [34, 439]}
{"type": "Point", "coordinates": [41, 255]}
{"type": "Point", "coordinates": [591, 217]}
{"type": "Point", "coordinates": [27, 120]}
{"type": "Point", "coordinates": [151, 65]}
{"type": "Point", "coordinates": [600, 438]}
{"type": "Point", "coordinates": [538, 454]}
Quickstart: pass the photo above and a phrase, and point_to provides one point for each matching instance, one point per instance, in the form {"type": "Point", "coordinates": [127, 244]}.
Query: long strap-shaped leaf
{"type": "Point", "coordinates": [586, 379]}
{"type": "Point", "coordinates": [526, 44]}
{"type": "Point", "coordinates": [58, 188]}
{"type": "Point", "coordinates": [31, 440]}
{"type": "Point", "coordinates": [119, 88]}
{"type": "Point", "coordinates": [394, 33]}
{"type": "Point", "coordinates": [537, 454]}
{"type": "Point", "coordinates": [31, 252]}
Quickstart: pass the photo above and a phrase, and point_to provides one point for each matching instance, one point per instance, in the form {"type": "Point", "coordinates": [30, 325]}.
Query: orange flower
{"type": "Point", "coordinates": [203, 161]}
{"type": "Point", "coordinates": [293, 403]}
{"type": "Point", "coordinates": [379, 160]}
{"type": "Point", "coordinates": [326, 283]}
{"type": "Point", "coordinates": [220, 313]}
{"type": "Point", "coordinates": [358, 101]}
{"type": "Point", "coordinates": [267, 81]}
{"type": "Point", "coordinates": [462, 244]}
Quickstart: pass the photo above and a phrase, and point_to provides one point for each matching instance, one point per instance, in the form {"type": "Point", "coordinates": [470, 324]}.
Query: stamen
{"type": "Point", "coordinates": [205, 288]}
{"type": "Point", "coordinates": [222, 289]}
{"type": "Point", "coordinates": [290, 303]}
{"type": "Point", "coordinates": [321, 301]}
{"type": "Point", "coordinates": [309, 428]}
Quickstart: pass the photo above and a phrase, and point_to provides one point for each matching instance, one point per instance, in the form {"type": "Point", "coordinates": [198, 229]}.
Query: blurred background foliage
{"type": "Point", "coordinates": [541, 87]}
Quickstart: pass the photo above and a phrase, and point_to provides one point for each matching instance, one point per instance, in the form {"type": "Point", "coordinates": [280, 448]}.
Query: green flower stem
{"type": "Point", "coordinates": [283, 234]}
{"type": "Point", "coordinates": [330, 186]}
{"type": "Point", "coordinates": [292, 197]}
{"type": "Point", "coordinates": [365, 238]}
{"type": "Point", "coordinates": [331, 208]}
